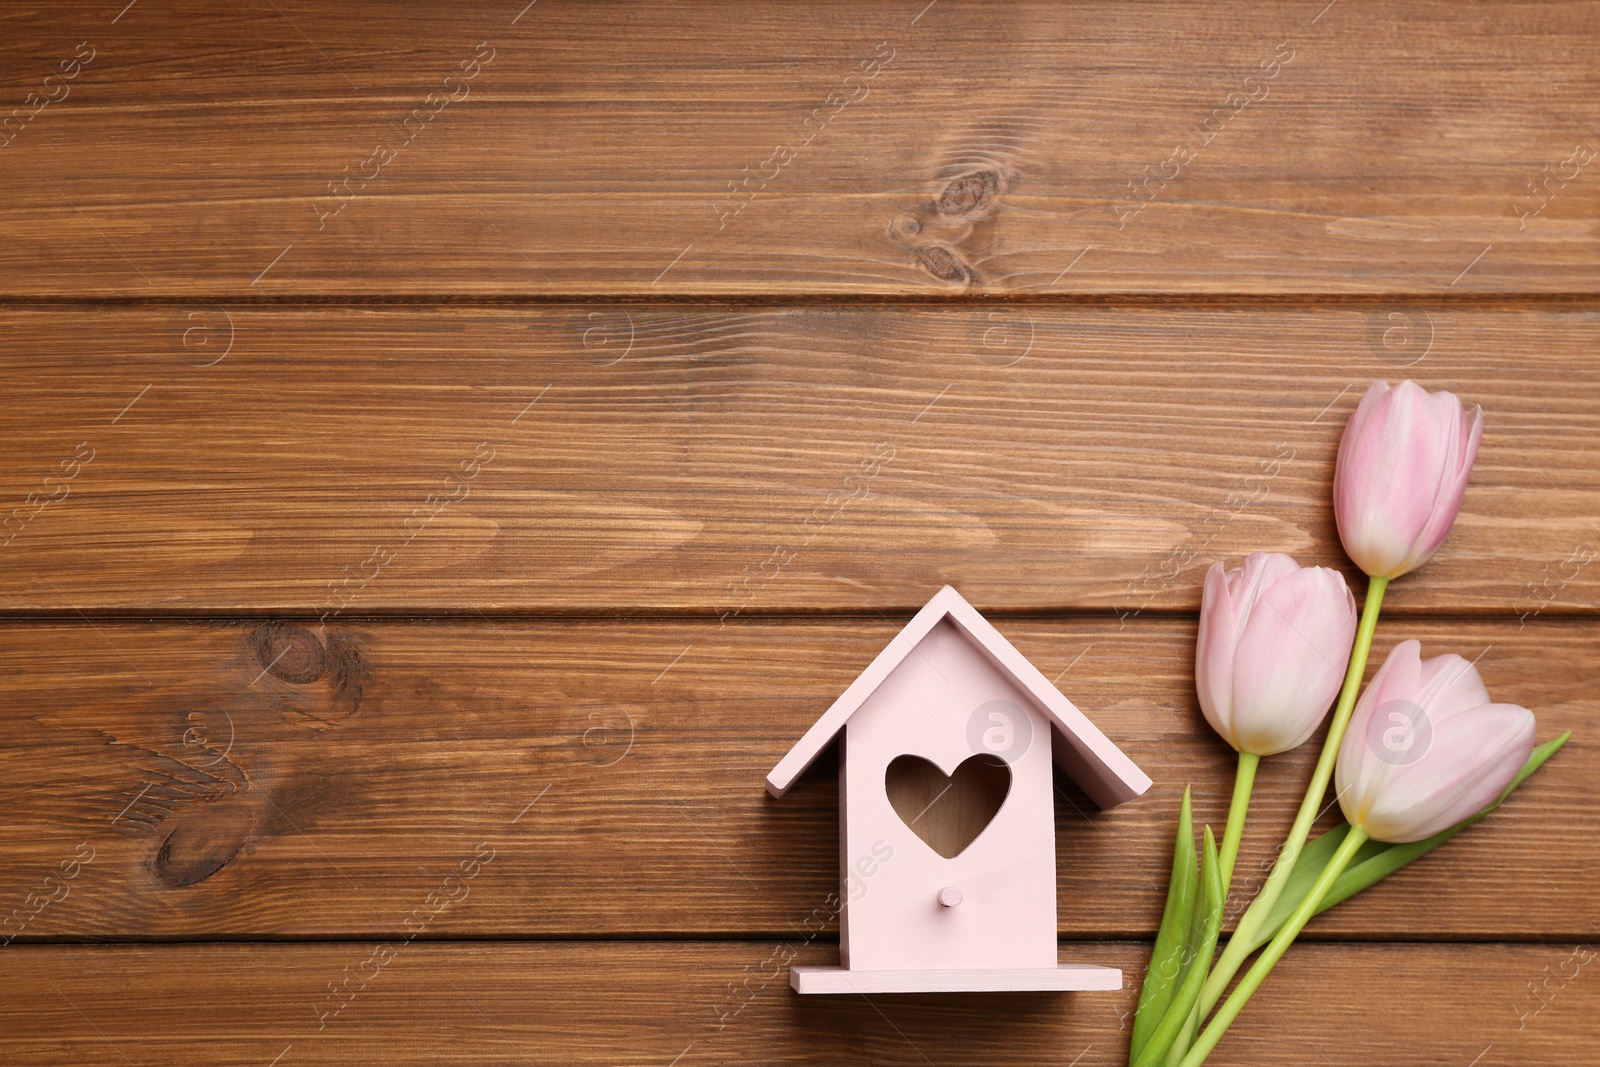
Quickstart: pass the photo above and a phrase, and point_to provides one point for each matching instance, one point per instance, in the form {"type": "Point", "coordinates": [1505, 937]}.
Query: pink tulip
{"type": "Point", "coordinates": [1403, 465]}
{"type": "Point", "coordinates": [1274, 643]}
{"type": "Point", "coordinates": [1426, 748]}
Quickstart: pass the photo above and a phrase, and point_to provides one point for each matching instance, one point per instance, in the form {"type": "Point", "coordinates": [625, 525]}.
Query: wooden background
{"type": "Point", "coordinates": [434, 441]}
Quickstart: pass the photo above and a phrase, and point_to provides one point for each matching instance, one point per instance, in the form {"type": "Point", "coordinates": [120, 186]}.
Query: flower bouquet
{"type": "Point", "coordinates": [1423, 754]}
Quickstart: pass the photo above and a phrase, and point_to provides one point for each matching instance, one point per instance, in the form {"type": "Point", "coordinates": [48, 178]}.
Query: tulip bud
{"type": "Point", "coordinates": [1274, 643]}
{"type": "Point", "coordinates": [1402, 468]}
{"type": "Point", "coordinates": [1426, 748]}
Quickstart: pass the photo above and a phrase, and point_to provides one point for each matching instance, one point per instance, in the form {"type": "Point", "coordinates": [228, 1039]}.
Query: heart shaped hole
{"type": "Point", "coordinates": [948, 813]}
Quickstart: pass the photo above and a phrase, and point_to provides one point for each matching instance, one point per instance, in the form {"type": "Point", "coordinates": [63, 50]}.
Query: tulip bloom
{"type": "Point", "coordinates": [1402, 468]}
{"type": "Point", "coordinates": [1274, 643]}
{"type": "Point", "coordinates": [1428, 753]}
{"type": "Point", "coordinates": [1397, 486]}
{"type": "Point", "coordinates": [1425, 751]}
{"type": "Point", "coordinates": [1273, 648]}
{"type": "Point", "coordinates": [1426, 747]}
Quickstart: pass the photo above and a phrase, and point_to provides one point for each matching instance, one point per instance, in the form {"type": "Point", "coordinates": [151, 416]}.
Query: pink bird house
{"type": "Point", "coordinates": [947, 813]}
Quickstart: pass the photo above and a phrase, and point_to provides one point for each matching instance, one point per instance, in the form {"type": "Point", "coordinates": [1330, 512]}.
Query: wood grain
{"type": "Point", "coordinates": [616, 771]}
{"type": "Point", "coordinates": [825, 148]}
{"type": "Point", "coordinates": [608, 1003]}
{"type": "Point", "coordinates": [707, 460]}
{"type": "Point", "coordinates": [449, 453]}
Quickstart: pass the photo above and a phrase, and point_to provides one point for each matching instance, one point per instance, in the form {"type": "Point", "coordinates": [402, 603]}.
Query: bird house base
{"type": "Point", "coordinates": [1065, 976]}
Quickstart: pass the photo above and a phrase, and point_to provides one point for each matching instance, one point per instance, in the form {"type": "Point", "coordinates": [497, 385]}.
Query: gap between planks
{"type": "Point", "coordinates": [757, 936]}
{"type": "Point", "coordinates": [1477, 300]}
{"type": "Point", "coordinates": [22, 617]}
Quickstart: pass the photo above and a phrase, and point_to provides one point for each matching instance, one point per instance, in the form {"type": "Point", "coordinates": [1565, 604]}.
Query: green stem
{"type": "Point", "coordinates": [1239, 944]}
{"type": "Point", "coordinates": [1273, 952]}
{"type": "Point", "coordinates": [1243, 780]}
{"type": "Point", "coordinates": [1180, 1047]}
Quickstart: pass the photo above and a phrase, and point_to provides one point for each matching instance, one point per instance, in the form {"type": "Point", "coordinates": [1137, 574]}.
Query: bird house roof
{"type": "Point", "coordinates": [1087, 756]}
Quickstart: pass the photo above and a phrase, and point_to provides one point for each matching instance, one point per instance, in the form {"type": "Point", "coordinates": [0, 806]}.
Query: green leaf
{"type": "Point", "coordinates": [1375, 860]}
{"type": "Point", "coordinates": [1314, 859]}
{"type": "Point", "coordinates": [1166, 958]}
{"type": "Point", "coordinates": [1202, 942]}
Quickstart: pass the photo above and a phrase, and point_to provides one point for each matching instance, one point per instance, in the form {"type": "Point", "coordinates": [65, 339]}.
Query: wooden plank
{"type": "Point", "coordinates": [298, 148]}
{"type": "Point", "coordinates": [708, 460]}
{"type": "Point", "coordinates": [258, 781]}
{"type": "Point", "coordinates": [722, 1002]}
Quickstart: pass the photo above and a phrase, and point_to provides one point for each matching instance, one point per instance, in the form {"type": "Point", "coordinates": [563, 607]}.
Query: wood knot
{"type": "Point", "coordinates": [204, 841]}
{"type": "Point", "coordinates": [290, 652]}
{"type": "Point", "coordinates": [945, 265]}
{"type": "Point", "coordinates": [325, 672]}
{"type": "Point", "coordinates": [968, 193]}
{"type": "Point", "coordinates": [905, 225]}
{"type": "Point", "coordinates": [953, 228]}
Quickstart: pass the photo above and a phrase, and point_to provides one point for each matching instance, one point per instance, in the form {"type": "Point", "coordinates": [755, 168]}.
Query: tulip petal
{"type": "Point", "coordinates": [1229, 601]}
{"type": "Point", "coordinates": [1361, 772]}
{"type": "Point", "coordinates": [1473, 755]}
{"type": "Point", "coordinates": [1354, 481]}
{"type": "Point", "coordinates": [1468, 433]}
{"type": "Point", "coordinates": [1376, 860]}
{"type": "Point", "coordinates": [1291, 660]}
{"type": "Point", "coordinates": [1213, 653]}
{"type": "Point", "coordinates": [1356, 427]}
{"type": "Point", "coordinates": [1402, 468]}
{"type": "Point", "coordinates": [1406, 460]}
{"type": "Point", "coordinates": [1449, 684]}
{"type": "Point", "coordinates": [1245, 584]}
